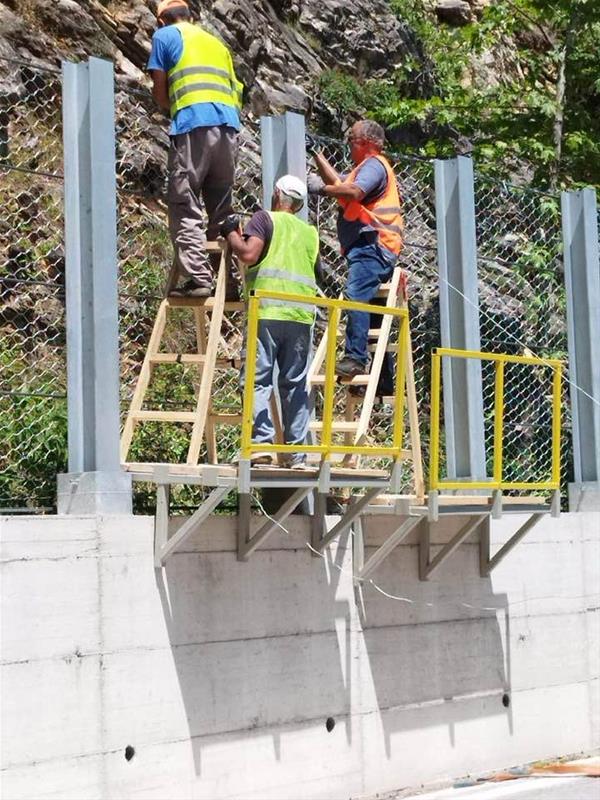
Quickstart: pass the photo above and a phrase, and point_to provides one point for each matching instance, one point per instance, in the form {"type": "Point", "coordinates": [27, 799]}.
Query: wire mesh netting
{"type": "Point", "coordinates": [525, 417]}
{"type": "Point", "coordinates": [521, 289]}
{"type": "Point", "coordinates": [418, 259]}
{"type": "Point", "coordinates": [33, 421]}
{"type": "Point", "coordinates": [523, 312]}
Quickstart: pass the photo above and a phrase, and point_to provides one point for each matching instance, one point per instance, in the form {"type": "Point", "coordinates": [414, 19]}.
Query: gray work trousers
{"type": "Point", "coordinates": [201, 170]}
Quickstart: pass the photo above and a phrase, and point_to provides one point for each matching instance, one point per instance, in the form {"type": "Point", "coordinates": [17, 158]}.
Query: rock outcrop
{"type": "Point", "coordinates": [280, 47]}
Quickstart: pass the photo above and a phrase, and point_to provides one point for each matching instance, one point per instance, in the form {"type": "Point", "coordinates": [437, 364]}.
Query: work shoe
{"type": "Point", "coordinates": [192, 289]}
{"type": "Point", "coordinates": [293, 463]}
{"type": "Point", "coordinates": [261, 460]}
{"type": "Point", "coordinates": [348, 368]}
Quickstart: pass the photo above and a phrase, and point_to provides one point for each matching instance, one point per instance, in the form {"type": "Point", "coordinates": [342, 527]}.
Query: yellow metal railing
{"type": "Point", "coordinates": [496, 481]}
{"type": "Point", "coordinates": [327, 446]}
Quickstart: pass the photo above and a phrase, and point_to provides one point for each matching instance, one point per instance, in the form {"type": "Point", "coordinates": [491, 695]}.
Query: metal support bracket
{"type": "Point", "coordinates": [346, 521]}
{"type": "Point", "coordinates": [428, 566]}
{"type": "Point", "coordinates": [247, 545]}
{"type": "Point", "coordinates": [163, 547]}
{"type": "Point", "coordinates": [363, 570]}
{"type": "Point", "coordinates": [487, 564]}
{"type": "Point", "coordinates": [317, 522]}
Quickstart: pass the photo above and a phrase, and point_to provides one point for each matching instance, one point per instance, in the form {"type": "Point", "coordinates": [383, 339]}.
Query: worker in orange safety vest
{"type": "Point", "coordinates": [370, 228]}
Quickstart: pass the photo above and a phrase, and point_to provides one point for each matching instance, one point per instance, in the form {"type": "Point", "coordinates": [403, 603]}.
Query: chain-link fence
{"type": "Point", "coordinates": [523, 311]}
{"type": "Point", "coordinates": [418, 258]}
{"type": "Point", "coordinates": [33, 420]}
{"type": "Point", "coordinates": [521, 288]}
{"type": "Point", "coordinates": [145, 256]}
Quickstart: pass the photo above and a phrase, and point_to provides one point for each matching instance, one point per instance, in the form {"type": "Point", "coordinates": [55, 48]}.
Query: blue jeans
{"type": "Point", "coordinates": [368, 268]}
{"type": "Point", "coordinates": [287, 344]}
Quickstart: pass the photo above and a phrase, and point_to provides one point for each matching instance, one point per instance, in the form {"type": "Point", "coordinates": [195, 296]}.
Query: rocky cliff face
{"type": "Point", "coordinates": [280, 46]}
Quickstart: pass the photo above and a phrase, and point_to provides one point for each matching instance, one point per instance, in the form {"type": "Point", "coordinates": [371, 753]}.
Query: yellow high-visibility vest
{"type": "Point", "coordinates": [204, 73]}
{"type": "Point", "coordinates": [289, 267]}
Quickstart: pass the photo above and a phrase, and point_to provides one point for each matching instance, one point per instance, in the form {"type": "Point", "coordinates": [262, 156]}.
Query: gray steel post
{"type": "Point", "coordinates": [283, 152]}
{"type": "Point", "coordinates": [582, 280]}
{"type": "Point", "coordinates": [459, 317]}
{"type": "Point", "coordinates": [95, 482]}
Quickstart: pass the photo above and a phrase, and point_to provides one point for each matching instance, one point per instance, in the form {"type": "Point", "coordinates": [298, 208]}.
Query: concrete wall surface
{"type": "Point", "coordinates": [220, 675]}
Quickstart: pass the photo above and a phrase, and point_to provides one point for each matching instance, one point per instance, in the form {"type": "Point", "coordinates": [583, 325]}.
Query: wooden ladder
{"type": "Point", "coordinates": [204, 420]}
{"type": "Point", "coordinates": [355, 431]}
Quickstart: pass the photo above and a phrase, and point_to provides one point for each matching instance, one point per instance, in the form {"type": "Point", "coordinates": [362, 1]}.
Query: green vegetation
{"type": "Point", "coordinates": [520, 85]}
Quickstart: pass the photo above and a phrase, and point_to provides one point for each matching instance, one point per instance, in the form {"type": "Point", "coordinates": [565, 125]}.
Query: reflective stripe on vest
{"type": "Point", "coordinates": [204, 72]}
{"type": "Point", "coordinates": [383, 214]}
{"type": "Point", "coordinates": [289, 266]}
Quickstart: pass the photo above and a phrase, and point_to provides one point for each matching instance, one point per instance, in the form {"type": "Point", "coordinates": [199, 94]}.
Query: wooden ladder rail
{"type": "Point", "coordinates": [205, 358]}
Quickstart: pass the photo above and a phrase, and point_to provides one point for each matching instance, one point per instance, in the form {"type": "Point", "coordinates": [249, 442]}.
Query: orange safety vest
{"type": "Point", "coordinates": [383, 214]}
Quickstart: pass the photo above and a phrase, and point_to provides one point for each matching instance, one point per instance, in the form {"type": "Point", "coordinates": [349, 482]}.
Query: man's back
{"type": "Point", "coordinates": [169, 46]}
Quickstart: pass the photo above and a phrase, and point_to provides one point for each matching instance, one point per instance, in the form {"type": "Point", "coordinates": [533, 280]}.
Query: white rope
{"type": "Point", "coordinates": [518, 341]}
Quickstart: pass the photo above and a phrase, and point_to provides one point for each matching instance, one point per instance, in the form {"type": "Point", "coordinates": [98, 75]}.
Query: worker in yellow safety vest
{"type": "Point", "coordinates": [370, 228]}
{"type": "Point", "coordinates": [280, 252]}
{"type": "Point", "coordinates": [193, 77]}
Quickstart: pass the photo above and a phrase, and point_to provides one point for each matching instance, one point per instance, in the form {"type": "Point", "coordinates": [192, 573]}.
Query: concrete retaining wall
{"type": "Point", "coordinates": [220, 676]}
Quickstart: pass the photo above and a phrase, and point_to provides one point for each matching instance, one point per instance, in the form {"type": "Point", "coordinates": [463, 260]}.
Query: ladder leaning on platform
{"type": "Point", "coordinates": [204, 420]}
{"type": "Point", "coordinates": [355, 430]}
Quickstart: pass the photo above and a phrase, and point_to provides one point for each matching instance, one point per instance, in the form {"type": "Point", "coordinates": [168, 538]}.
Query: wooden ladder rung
{"type": "Point", "coordinates": [177, 358]}
{"type": "Point", "coordinates": [343, 427]}
{"type": "Point", "coordinates": [226, 419]}
{"type": "Point", "coordinates": [357, 380]}
{"type": "Point", "coordinates": [203, 303]}
{"type": "Point", "coordinates": [164, 416]}
{"type": "Point", "coordinates": [391, 348]}
{"type": "Point", "coordinates": [192, 358]}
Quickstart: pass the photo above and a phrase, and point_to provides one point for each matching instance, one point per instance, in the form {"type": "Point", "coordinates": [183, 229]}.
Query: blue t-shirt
{"type": "Point", "coordinates": [167, 47]}
{"type": "Point", "coordinates": [372, 179]}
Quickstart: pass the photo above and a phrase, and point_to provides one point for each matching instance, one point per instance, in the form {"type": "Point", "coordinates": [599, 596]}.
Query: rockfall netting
{"type": "Point", "coordinates": [520, 269]}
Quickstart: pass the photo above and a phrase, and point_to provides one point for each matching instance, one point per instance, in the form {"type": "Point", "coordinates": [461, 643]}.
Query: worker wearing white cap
{"type": "Point", "coordinates": [280, 252]}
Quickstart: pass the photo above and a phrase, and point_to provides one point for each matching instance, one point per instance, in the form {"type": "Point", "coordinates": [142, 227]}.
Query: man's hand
{"type": "Point", "coordinates": [312, 146]}
{"type": "Point", "coordinates": [315, 185]}
{"type": "Point", "coordinates": [229, 224]}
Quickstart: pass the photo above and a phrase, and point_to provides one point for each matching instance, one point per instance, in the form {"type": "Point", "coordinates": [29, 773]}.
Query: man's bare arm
{"type": "Point", "coordinates": [247, 250]}
{"type": "Point", "coordinates": [333, 186]}
{"type": "Point", "coordinates": [326, 171]}
{"type": "Point", "coordinates": [160, 88]}
{"type": "Point", "coordinates": [345, 191]}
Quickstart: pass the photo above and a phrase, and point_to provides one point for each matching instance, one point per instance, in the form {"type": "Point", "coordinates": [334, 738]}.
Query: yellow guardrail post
{"type": "Point", "coordinates": [329, 388]}
{"type": "Point", "coordinates": [556, 423]}
{"type": "Point", "coordinates": [498, 421]}
{"type": "Point", "coordinates": [249, 377]}
{"type": "Point", "coordinates": [398, 432]}
{"type": "Point", "coordinates": [434, 452]}
{"type": "Point", "coordinates": [500, 360]}
{"type": "Point", "coordinates": [326, 447]}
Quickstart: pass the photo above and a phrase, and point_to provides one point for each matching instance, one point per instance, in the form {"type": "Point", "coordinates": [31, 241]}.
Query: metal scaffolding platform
{"type": "Point", "coordinates": [367, 491]}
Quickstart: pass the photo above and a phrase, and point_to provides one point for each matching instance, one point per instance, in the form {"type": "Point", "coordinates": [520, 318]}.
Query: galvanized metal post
{"type": "Point", "coordinates": [459, 317]}
{"type": "Point", "coordinates": [95, 482]}
{"type": "Point", "coordinates": [283, 152]}
{"type": "Point", "coordinates": [582, 279]}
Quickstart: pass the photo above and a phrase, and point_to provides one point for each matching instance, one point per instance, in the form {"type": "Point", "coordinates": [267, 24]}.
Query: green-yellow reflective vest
{"type": "Point", "coordinates": [289, 266]}
{"type": "Point", "coordinates": [204, 73]}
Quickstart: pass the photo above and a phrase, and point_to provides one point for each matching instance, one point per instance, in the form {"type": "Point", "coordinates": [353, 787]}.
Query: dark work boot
{"type": "Point", "coordinates": [348, 368]}
{"type": "Point", "coordinates": [191, 289]}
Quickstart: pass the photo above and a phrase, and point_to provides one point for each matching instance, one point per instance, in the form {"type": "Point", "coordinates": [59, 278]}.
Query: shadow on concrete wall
{"type": "Point", "coordinates": [266, 647]}
{"type": "Point", "coordinates": [259, 647]}
{"type": "Point", "coordinates": [441, 656]}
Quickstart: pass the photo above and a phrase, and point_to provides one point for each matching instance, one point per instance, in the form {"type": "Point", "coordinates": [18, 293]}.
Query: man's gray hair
{"type": "Point", "coordinates": [294, 203]}
{"type": "Point", "coordinates": [372, 132]}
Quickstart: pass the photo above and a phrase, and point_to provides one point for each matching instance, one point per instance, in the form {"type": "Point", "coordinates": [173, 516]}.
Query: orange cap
{"type": "Point", "coordinates": [167, 5]}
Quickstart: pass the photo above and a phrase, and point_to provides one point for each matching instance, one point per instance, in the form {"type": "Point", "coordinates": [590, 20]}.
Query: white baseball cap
{"type": "Point", "coordinates": [292, 186]}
